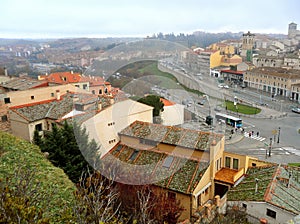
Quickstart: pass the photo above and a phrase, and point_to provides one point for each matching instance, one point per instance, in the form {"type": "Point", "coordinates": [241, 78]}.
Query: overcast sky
{"type": "Point", "coordinates": [98, 18]}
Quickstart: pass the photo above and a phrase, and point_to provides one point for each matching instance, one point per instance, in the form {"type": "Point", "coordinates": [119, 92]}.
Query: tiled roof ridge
{"type": "Point", "coordinates": [271, 185]}
{"type": "Point", "coordinates": [193, 177]}
{"type": "Point", "coordinates": [174, 170]}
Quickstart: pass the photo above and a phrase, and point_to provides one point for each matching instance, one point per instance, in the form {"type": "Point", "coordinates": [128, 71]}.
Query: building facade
{"type": "Point", "coordinates": [276, 81]}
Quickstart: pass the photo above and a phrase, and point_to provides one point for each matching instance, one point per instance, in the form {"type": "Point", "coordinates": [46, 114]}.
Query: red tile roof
{"type": "Point", "coordinates": [226, 175]}
{"type": "Point", "coordinates": [167, 102]}
{"type": "Point", "coordinates": [62, 77]}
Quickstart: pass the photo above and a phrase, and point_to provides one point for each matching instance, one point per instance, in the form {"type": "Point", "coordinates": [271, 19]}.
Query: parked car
{"type": "Point", "coordinates": [296, 110]}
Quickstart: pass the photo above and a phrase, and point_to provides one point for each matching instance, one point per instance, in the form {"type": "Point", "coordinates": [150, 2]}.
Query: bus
{"type": "Point", "coordinates": [230, 120]}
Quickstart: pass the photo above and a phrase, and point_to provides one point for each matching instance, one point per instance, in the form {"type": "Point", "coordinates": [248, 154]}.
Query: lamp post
{"type": "Point", "coordinates": [278, 135]}
{"type": "Point", "coordinates": [270, 147]}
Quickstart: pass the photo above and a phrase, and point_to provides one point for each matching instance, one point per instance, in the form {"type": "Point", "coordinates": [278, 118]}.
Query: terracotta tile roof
{"type": "Point", "coordinates": [181, 174]}
{"type": "Point", "coordinates": [277, 184]}
{"type": "Point", "coordinates": [233, 72]}
{"type": "Point", "coordinates": [167, 102]}
{"type": "Point", "coordinates": [171, 135]}
{"type": "Point", "coordinates": [69, 77]}
{"type": "Point", "coordinates": [62, 77]}
{"type": "Point", "coordinates": [226, 175]}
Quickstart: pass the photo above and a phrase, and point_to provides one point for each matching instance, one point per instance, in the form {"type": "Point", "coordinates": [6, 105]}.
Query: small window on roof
{"type": "Point", "coordinates": [6, 100]}
{"type": "Point", "coordinates": [168, 161]}
{"type": "Point", "coordinates": [118, 149]}
{"type": "Point", "coordinates": [32, 97]}
{"type": "Point", "coordinates": [134, 155]}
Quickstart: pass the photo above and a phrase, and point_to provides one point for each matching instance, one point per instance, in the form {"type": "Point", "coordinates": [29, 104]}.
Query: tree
{"type": "Point", "coordinates": [96, 200]}
{"type": "Point", "coordinates": [154, 101]}
{"type": "Point", "coordinates": [37, 139]}
{"type": "Point", "coordinates": [70, 149]}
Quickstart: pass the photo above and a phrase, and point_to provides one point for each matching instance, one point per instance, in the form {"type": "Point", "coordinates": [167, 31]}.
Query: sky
{"type": "Point", "coordinates": [141, 18]}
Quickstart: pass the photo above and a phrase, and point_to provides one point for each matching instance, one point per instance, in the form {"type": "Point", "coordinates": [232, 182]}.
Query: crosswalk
{"type": "Point", "coordinates": [258, 138]}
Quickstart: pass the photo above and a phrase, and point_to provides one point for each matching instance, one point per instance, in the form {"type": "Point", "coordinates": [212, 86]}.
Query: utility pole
{"type": "Point", "coordinates": [278, 135]}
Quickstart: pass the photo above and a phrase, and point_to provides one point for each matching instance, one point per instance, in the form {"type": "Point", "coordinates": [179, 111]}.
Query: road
{"type": "Point", "coordinates": [288, 148]}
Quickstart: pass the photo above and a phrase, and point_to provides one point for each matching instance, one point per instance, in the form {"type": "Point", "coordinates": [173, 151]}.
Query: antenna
{"type": "Point", "coordinates": [256, 185]}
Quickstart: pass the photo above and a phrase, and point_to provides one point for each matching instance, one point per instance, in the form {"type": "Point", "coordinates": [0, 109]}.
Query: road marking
{"type": "Point", "coordinates": [258, 138]}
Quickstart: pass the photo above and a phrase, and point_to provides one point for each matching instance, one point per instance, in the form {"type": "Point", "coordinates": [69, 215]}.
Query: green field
{"type": "Point", "coordinates": [241, 108]}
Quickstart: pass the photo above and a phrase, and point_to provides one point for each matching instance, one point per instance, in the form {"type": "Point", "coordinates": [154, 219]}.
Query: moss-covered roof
{"type": "Point", "coordinates": [171, 135]}
{"type": "Point", "coordinates": [277, 184]}
{"type": "Point", "coordinates": [53, 181]}
{"type": "Point", "coordinates": [178, 173]}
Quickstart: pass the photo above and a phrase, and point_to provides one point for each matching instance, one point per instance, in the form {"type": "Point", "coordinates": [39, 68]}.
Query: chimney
{"type": "Point", "coordinates": [99, 106]}
{"type": "Point", "coordinates": [5, 71]}
{"type": "Point", "coordinates": [72, 72]}
{"type": "Point", "coordinates": [256, 185]}
{"type": "Point", "coordinates": [58, 94]}
{"type": "Point", "coordinates": [289, 182]}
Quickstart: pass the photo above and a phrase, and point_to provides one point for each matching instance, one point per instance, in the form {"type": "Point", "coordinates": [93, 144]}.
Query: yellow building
{"type": "Point", "coordinates": [217, 59]}
{"type": "Point", "coordinates": [222, 47]}
{"type": "Point", "coordinates": [188, 165]}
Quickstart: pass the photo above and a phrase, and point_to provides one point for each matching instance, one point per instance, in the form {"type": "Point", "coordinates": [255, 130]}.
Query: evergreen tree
{"type": "Point", "coordinates": [70, 149]}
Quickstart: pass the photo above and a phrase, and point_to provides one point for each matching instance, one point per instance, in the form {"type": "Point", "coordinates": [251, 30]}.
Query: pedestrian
{"type": "Point", "coordinates": [257, 134]}
{"type": "Point", "coordinates": [249, 134]}
{"type": "Point", "coordinates": [252, 133]}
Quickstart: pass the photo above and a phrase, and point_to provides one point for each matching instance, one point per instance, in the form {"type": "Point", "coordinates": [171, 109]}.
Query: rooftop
{"type": "Point", "coordinates": [278, 72]}
{"type": "Point", "coordinates": [277, 184]}
{"type": "Point", "coordinates": [171, 135]}
{"type": "Point", "coordinates": [226, 175]}
{"type": "Point", "coordinates": [167, 102]}
{"type": "Point", "coordinates": [22, 83]}
{"type": "Point", "coordinates": [167, 171]}
{"type": "Point", "coordinates": [58, 109]}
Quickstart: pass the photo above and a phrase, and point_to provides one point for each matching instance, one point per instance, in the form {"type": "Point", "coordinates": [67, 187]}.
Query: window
{"type": "Point", "coordinates": [112, 141]}
{"type": "Point", "coordinates": [84, 86]}
{"type": "Point", "coordinates": [100, 91]}
{"type": "Point", "coordinates": [253, 164]}
{"type": "Point", "coordinates": [105, 91]}
{"type": "Point", "coordinates": [134, 155]}
{"type": "Point", "coordinates": [7, 100]}
{"type": "Point", "coordinates": [93, 91]}
{"type": "Point", "coordinates": [271, 213]}
{"type": "Point", "coordinates": [39, 127]}
{"type": "Point", "coordinates": [235, 164]}
{"type": "Point", "coordinates": [32, 97]}
{"type": "Point", "coordinates": [77, 86]}
{"type": "Point", "coordinates": [168, 161]}
{"type": "Point", "coordinates": [171, 195]}
{"type": "Point", "coordinates": [4, 118]}
{"type": "Point", "coordinates": [52, 94]}
{"type": "Point", "coordinates": [227, 162]}
{"type": "Point", "coordinates": [119, 147]}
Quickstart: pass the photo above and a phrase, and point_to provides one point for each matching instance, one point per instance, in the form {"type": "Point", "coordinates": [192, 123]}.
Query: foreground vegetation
{"type": "Point", "coordinates": [24, 171]}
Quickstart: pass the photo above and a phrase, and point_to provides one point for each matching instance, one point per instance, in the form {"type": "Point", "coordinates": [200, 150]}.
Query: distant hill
{"type": "Point", "coordinates": [15, 152]}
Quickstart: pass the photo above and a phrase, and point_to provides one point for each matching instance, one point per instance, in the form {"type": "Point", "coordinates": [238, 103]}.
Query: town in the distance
{"type": "Point", "coordinates": [199, 128]}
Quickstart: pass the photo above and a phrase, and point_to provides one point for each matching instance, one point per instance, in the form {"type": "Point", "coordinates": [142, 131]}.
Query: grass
{"type": "Point", "coordinates": [241, 108]}
{"type": "Point", "coordinates": [53, 181]}
{"type": "Point", "coordinates": [294, 164]}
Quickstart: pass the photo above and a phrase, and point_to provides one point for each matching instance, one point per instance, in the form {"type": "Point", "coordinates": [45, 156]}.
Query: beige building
{"type": "Point", "coordinates": [186, 164]}
{"type": "Point", "coordinates": [30, 96]}
{"type": "Point", "coordinates": [276, 81]}
{"type": "Point", "coordinates": [173, 113]}
{"type": "Point", "coordinates": [41, 115]}
{"type": "Point", "coordinates": [104, 126]}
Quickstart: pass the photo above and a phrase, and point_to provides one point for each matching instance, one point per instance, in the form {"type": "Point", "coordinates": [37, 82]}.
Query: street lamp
{"type": "Point", "coordinates": [278, 135]}
{"type": "Point", "coordinates": [270, 147]}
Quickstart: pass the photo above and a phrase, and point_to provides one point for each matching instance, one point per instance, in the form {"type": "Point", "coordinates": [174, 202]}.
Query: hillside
{"type": "Point", "coordinates": [51, 182]}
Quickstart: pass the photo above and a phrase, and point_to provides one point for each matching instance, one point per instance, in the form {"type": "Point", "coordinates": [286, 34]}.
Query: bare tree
{"type": "Point", "coordinates": [96, 199]}
{"type": "Point", "coordinates": [145, 205]}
